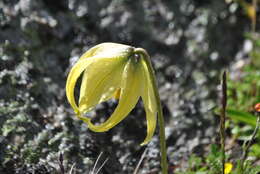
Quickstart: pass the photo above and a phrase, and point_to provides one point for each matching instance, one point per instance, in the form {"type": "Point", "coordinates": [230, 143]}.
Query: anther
{"type": "Point", "coordinates": [136, 57]}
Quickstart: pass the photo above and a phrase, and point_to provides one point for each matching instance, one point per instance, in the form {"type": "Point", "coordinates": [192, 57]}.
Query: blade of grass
{"type": "Point", "coordinates": [249, 143]}
{"type": "Point", "coordinates": [140, 162]}
{"type": "Point", "coordinates": [72, 168]}
{"type": "Point", "coordinates": [101, 166]}
{"type": "Point", "coordinates": [244, 117]}
{"type": "Point", "coordinates": [95, 165]}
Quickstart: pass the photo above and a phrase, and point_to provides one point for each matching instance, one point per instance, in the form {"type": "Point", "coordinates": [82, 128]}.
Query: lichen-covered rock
{"type": "Point", "coordinates": [189, 42]}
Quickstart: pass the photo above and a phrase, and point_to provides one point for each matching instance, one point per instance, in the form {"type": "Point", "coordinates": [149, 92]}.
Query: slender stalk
{"type": "Point", "coordinates": [223, 120]}
{"type": "Point", "coordinates": [164, 163]}
{"type": "Point", "coordinates": [249, 143]}
{"type": "Point", "coordinates": [254, 3]}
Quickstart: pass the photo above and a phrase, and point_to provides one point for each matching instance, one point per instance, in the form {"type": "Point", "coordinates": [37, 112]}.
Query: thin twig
{"type": "Point", "coordinates": [249, 143]}
{"type": "Point", "coordinates": [140, 161]}
{"type": "Point", "coordinates": [223, 120]}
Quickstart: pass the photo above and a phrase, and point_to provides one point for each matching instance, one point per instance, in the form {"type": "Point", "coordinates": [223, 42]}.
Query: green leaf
{"type": "Point", "coordinates": [240, 116]}
{"type": "Point", "coordinates": [255, 150]}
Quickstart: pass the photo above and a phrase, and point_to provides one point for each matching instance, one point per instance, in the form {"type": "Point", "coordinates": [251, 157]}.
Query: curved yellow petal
{"type": "Point", "coordinates": [107, 49]}
{"type": "Point", "coordinates": [75, 73]}
{"type": "Point", "coordinates": [100, 81]}
{"type": "Point", "coordinates": [104, 77]}
{"type": "Point", "coordinates": [130, 93]}
{"type": "Point", "coordinates": [149, 100]}
{"type": "Point", "coordinates": [73, 76]}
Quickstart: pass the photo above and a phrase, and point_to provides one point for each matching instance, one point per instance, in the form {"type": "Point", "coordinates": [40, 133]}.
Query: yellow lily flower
{"type": "Point", "coordinates": [113, 70]}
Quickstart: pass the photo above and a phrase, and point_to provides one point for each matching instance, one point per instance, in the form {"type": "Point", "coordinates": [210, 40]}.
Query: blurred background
{"type": "Point", "coordinates": [190, 43]}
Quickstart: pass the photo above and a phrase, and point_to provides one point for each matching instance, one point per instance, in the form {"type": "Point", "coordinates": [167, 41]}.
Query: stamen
{"type": "Point", "coordinates": [136, 57]}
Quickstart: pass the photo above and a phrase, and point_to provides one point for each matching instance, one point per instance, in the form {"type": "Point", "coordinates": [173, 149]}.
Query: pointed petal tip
{"type": "Point", "coordinates": [77, 112]}
{"type": "Point", "coordinates": [146, 141]}
{"type": "Point", "coordinates": [91, 126]}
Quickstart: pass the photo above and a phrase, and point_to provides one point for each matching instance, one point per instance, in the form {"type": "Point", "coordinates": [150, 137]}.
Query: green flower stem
{"type": "Point", "coordinates": [164, 163]}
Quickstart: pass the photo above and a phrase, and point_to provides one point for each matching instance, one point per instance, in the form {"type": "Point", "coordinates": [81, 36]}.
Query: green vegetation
{"type": "Point", "coordinates": [211, 164]}
{"type": "Point", "coordinates": [244, 93]}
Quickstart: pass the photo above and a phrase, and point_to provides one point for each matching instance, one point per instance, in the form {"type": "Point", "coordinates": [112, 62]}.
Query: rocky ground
{"type": "Point", "coordinates": [190, 43]}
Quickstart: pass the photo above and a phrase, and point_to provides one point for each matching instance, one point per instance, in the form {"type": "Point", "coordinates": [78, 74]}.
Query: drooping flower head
{"type": "Point", "coordinates": [113, 70]}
